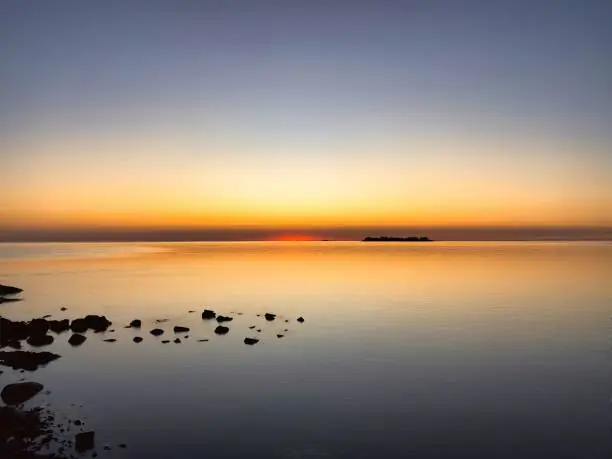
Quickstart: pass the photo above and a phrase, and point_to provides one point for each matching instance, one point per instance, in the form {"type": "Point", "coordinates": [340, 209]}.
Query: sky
{"type": "Point", "coordinates": [307, 119]}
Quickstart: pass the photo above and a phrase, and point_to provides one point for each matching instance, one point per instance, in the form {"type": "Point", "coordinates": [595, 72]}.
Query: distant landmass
{"type": "Point", "coordinates": [397, 239]}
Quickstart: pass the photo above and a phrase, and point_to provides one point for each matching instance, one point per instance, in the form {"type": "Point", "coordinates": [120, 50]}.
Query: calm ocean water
{"type": "Point", "coordinates": [440, 350]}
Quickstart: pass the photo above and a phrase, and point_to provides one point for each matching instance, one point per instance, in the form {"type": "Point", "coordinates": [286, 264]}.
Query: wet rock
{"type": "Point", "coordinates": [221, 319]}
{"type": "Point", "coordinates": [18, 393]}
{"type": "Point", "coordinates": [84, 442]}
{"type": "Point", "coordinates": [12, 331]}
{"type": "Point", "coordinates": [78, 422]}
{"type": "Point", "coordinates": [221, 330]}
{"type": "Point", "coordinates": [136, 323]}
{"type": "Point", "coordinates": [300, 319]}
{"type": "Point", "coordinates": [110, 340]}
{"type": "Point", "coordinates": [59, 326]}
{"type": "Point", "coordinates": [40, 340]}
{"type": "Point", "coordinates": [202, 340]}
{"type": "Point", "coordinates": [77, 339]}
{"type": "Point", "coordinates": [251, 341]}
{"type": "Point", "coordinates": [179, 329]}
{"type": "Point", "coordinates": [286, 320]}
{"type": "Point", "coordinates": [177, 341]}
{"type": "Point", "coordinates": [137, 339]}
{"type": "Point", "coordinates": [90, 322]}
{"type": "Point", "coordinates": [208, 314]}
{"type": "Point", "coordinates": [270, 317]}
{"type": "Point", "coordinates": [280, 336]}
{"type": "Point", "coordinates": [157, 332]}
{"type": "Point", "coordinates": [6, 290]}
{"type": "Point", "coordinates": [166, 341]}
{"type": "Point", "coordinates": [46, 316]}
{"type": "Point", "coordinates": [258, 330]}
{"type": "Point", "coordinates": [252, 327]}
{"type": "Point", "coordinates": [24, 360]}
{"type": "Point", "coordinates": [63, 309]}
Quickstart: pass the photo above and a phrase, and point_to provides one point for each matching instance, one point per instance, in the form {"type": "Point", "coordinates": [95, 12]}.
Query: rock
{"type": "Point", "coordinates": [280, 336]}
{"type": "Point", "coordinates": [221, 330]}
{"type": "Point", "coordinates": [38, 326]}
{"type": "Point", "coordinates": [286, 320]}
{"type": "Point", "coordinates": [46, 316]}
{"type": "Point", "coordinates": [270, 317]}
{"type": "Point", "coordinates": [90, 322]}
{"type": "Point", "coordinates": [137, 339]}
{"type": "Point", "coordinates": [77, 339]}
{"type": "Point", "coordinates": [122, 445]}
{"type": "Point", "coordinates": [252, 327]}
{"type": "Point", "coordinates": [166, 341]}
{"type": "Point", "coordinates": [221, 319]}
{"type": "Point", "coordinates": [161, 321]}
{"type": "Point", "coordinates": [24, 360]}
{"type": "Point", "coordinates": [63, 309]}
{"type": "Point", "coordinates": [202, 340]}
{"type": "Point", "coordinates": [251, 341]}
{"type": "Point", "coordinates": [179, 329]}
{"type": "Point", "coordinates": [258, 330]}
{"type": "Point", "coordinates": [110, 340]}
{"type": "Point", "coordinates": [18, 393]}
{"type": "Point", "coordinates": [177, 341]}
{"type": "Point", "coordinates": [300, 319]}
{"type": "Point", "coordinates": [78, 422]}
{"type": "Point", "coordinates": [40, 340]}
{"type": "Point", "coordinates": [6, 290]}
{"type": "Point", "coordinates": [84, 442]}
{"type": "Point", "coordinates": [136, 323]}
{"type": "Point", "coordinates": [157, 332]}
{"type": "Point", "coordinates": [59, 326]}
{"type": "Point", "coordinates": [12, 331]}
{"type": "Point", "coordinates": [208, 314]}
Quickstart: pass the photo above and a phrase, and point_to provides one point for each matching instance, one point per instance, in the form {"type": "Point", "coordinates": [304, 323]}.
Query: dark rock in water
{"type": "Point", "coordinates": [90, 322]}
{"type": "Point", "coordinates": [166, 341]}
{"type": "Point", "coordinates": [208, 314]}
{"type": "Point", "coordinates": [202, 340]}
{"type": "Point", "coordinates": [122, 445]}
{"type": "Point", "coordinates": [63, 309]}
{"type": "Point", "coordinates": [177, 341]}
{"type": "Point", "coordinates": [252, 327]}
{"type": "Point", "coordinates": [46, 316]}
{"type": "Point", "coordinates": [18, 393]}
{"type": "Point", "coordinates": [251, 341]}
{"type": "Point", "coordinates": [59, 326]}
{"type": "Point", "coordinates": [110, 340]}
{"type": "Point", "coordinates": [221, 319]}
{"type": "Point", "coordinates": [24, 360]}
{"type": "Point", "coordinates": [258, 330]}
{"type": "Point", "coordinates": [136, 323]}
{"type": "Point", "coordinates": [161, 321]}
{"type": "Point", "coordinates": [40, 340]}
{"type": "Point", "coordinates": [157, 332]}
{"type": "Point", "coordinates": [280, 336]}
{"type": "Point", "coordinates": [78, 422]}
{"type": "Point", "coordinates": [137, 339]}
{"type": "Point", "coordinates": [4, 299]}
{"type": "Point", "coordinates": [221, 330]}
{"type": "Point", "coordinates": [300, 319]}
{"type": "Point", "coordinates": [9, 290]}
{"type": "Point", "coordinates": [38, 326]}
{"type": "Point", "coordinates": [286, 320]}
{"type": "Point", "coordinates": [190, 312]}
{"type": "Point", "coordinates": [270, 316]}
{"type": "Point", "coordinates": [77, 339]}
{"type": "Point", "coordinates": [84, 442]}
{"type": "Point", "coordinates": [179, 329]}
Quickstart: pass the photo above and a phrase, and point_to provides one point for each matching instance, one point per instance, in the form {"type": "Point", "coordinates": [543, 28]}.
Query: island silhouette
{"type": "Point", "coordinates": [396, 239]}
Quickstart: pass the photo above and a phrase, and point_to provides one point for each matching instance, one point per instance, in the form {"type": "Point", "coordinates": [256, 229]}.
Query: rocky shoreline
{"type": "Point", "coordinates": [37, 432]}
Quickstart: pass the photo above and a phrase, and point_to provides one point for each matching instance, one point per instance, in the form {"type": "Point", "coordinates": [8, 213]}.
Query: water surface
{"type": "Point", "coordinates": [432, 350]}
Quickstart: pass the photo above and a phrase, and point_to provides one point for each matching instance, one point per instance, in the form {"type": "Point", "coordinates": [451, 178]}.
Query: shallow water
{"type": "Point", "coordinates": [433, 350]}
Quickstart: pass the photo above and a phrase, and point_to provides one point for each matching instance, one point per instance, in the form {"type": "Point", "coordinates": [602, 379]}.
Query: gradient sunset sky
{"type": "Point", "coordinates": [261, 119]}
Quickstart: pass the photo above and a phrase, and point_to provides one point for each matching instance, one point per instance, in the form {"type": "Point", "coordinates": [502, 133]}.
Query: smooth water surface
{"type": "Point", "coordinates": [424, 350]}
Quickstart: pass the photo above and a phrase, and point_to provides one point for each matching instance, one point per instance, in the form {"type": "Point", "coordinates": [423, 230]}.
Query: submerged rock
{"type": "Point", "coordinates": [179, 329]}
{"type": "Point", "coordinates": [157, 332]}
{"type": "Point", "coordinates": [165, 341]}
{"type": "Point", "coordinates": [269, 316]}
{"type": "Point", "coordinates": [221, 319]}
{"type": "Point", "coordinates": [40, 340]}
{"type": "Point", "coordinates": [221, 330]}
{"type": "Point", "coordinates": [24, 360]}
{"type": "Point", "coordinates": [84, 441]}
{"type": "Point", "coordinates": [209, 314]}
{"type": "Point", "coordinates": [137, 339]}
{"type": "Point", "coordinates": [280, 336]}
{"type": "Point", "coordinates": [77, 339]}
{"type": "Point", "coordinates": [18, 393]}
{"type": "Point", "coordinates": [6, 290]}
{"type": "Point", "coordinates": [177, 341]}
{"type": "Point", "coordinates": [110, 340]}
{"type": "Point", "coordinates": [300, 319]}
{"type": "Point", "coordinates": [251, 341]}
{"type": "Point", "coordinates": [136, 323]}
